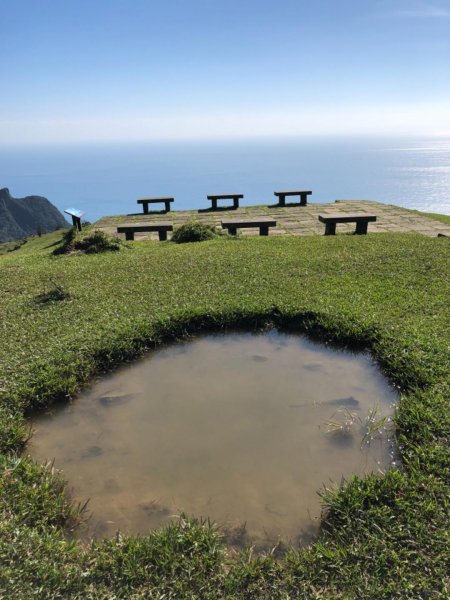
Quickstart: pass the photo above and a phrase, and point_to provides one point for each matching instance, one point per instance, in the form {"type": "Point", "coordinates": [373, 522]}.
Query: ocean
{"type": "Point", "coordinates": [106, 179]}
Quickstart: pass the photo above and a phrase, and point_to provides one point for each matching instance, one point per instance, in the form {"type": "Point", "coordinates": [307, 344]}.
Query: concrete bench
{"type": "Point", "coordinates": [361, 221]}
{"type": "Point", "coordinates": [129, 229]}
{"type": "Point", "coordinates": [282, 197]}
{"type": "Point", "coordinates": [234, 197]}
{"type": "Point", "coordinates": [146, 201]}
{"type": "Point", "coordinates": [236, 224]}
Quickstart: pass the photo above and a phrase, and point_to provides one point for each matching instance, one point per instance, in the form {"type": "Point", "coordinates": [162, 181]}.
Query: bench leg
{"type": "Point", "coordinates": [303, 199]}
{"type": "Point", "coordinates": [282, 201]}
{"type": "Point", "coordinates": [129, 235]}
{"type": "Point", "coordinates": [330, 228]}
{"type": "Point", "coordinates": [167, 206]}
{"type": "Point", "coordinates": [214, 204]}
{"type": "Point", "coordinates": [235, 202]}
{"type": "Point", "coordinates": [232, 230]}
{"type": "Point", "coordinates": [145, 207]}
{"type": "Point", "coordinates": [361, 227]}
{"type": "Point", "coordinates": [162, 236]}
{"type": "Point", "coordinates": [264, 230]}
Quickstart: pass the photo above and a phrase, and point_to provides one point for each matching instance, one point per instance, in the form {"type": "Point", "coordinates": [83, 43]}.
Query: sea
{"type": "Point", "coordinates": [107, 178]}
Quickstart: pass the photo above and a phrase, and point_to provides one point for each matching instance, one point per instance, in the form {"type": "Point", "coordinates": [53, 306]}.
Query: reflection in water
{"type": "Point", "coordinates": [242, 428]}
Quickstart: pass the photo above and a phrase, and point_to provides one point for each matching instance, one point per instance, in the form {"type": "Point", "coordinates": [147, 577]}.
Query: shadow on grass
{"type": "Point", "coordinates": [218, 209]}
{"type": "Point", "coordinates": [52, 245]}
{"type": "Point", "coordinates": [287, 205]}
{"type": "Point", "coordinates": [150, 212]}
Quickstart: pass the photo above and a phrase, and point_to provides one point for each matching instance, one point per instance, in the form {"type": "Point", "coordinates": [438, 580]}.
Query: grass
{"type": "Point", "coordinates": [435, 216]}
{"type": "Point", "coordinates": [346, 422]}
{"type": "Point", "coordinates": [6, 247]}
{"type": "Point", "coordinates": [384, 536]}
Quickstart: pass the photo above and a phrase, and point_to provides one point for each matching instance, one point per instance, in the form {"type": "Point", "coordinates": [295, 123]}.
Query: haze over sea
{"type": "Point", "coordinates": [106, 179]}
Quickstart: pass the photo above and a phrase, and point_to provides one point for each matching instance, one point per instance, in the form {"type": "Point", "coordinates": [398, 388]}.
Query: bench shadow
{"type": "Point", "coordinates": [150, 212]}
{"type": "Point", "coordinates": [218, 209]}
{"type": "Point", "coordinates": [287, 205]}
{"type": "Point", "coordinates": [52, 245]}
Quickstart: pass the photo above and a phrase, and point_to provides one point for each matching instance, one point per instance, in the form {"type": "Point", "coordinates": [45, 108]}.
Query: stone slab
{"type": "Point", "coordinates": [296, 220]}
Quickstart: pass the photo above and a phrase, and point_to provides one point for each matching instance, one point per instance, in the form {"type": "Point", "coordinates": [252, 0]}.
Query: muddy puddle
{"type": "Point", "coordinates": [242, 428]}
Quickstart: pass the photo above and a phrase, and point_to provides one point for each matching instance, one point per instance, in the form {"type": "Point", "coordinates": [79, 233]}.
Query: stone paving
{"type": "Point", "coordinates": [291, 220]}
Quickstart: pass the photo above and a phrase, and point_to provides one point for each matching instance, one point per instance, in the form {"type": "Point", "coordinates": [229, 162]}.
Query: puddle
{"type": "Point", "coordinates": [242, 428]}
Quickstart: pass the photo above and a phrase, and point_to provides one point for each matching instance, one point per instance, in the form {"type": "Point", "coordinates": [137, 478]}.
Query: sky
{"type": "Point", "coordinates": [136, 70]}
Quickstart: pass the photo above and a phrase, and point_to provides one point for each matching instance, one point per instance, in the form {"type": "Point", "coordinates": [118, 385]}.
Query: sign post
{"type": "Point", "coordinates": [76, 217]}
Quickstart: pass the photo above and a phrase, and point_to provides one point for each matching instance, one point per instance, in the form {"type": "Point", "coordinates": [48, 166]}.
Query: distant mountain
{"type": "Point", "coordinates": [21, 217]}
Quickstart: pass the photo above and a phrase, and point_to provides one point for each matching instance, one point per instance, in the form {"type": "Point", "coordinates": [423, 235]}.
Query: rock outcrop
{"type": "Point", "coordinates": [21, 217]}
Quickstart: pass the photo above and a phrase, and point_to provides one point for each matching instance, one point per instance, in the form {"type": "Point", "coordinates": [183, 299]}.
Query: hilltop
{"type": "Point", "coordinates": [67, 318]}
{"type": "Point", "coordinates": [21, 217]}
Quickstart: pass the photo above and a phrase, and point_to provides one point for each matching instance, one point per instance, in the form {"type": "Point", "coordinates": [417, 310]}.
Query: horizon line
{"type": "Point", "coordinates": [226, 138]}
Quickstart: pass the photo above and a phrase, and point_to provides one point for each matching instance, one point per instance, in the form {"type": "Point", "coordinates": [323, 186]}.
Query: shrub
{"type": "Point", "coordinates": [67, 242]}
{"type": "Point", "coordinates": [98, 241]}
{"type": "Point", "coordinates": [194, 232]}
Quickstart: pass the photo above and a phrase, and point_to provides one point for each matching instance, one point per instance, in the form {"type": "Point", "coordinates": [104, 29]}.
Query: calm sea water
{"type": "Point", "coordinates": [106, 179]}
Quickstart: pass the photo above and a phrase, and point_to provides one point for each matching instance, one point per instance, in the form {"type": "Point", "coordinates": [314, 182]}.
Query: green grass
{"type": "Point", "coordinates": [33, 244]}
{"type": "Point", "coordinates": [6, 247]}
{"type": "Point", "coordinates": [382, 536]}
{"type": "Point", "coordinates": [436, 216]}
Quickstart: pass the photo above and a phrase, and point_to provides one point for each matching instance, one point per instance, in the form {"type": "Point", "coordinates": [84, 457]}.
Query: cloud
{"type": "Point", "coordinates": [417, 10]}
{"type": "Point", "coordinates": [426, 13]}
{"type": "Point", "coordinates": [419, 119]}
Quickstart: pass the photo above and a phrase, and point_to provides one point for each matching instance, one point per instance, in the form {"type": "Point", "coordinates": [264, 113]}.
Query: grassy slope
{"type": "Point", "coordinates": [382, 537]}
{"type": "Point", "coordinates": [32, 244]}
{"type": "Point", "coordinates": [436, 216]}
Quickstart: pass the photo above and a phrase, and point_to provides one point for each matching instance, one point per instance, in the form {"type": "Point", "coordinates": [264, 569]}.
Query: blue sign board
{"type": "Point", "coordinates": [74, 212]}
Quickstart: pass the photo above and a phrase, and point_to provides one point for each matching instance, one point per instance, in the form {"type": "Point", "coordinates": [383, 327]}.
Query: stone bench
{"type": "Point", "coordinates": [129, 229]}
{"type": "Point", "coordinates": [146, 201]}
{"type": "Point", "coordinates": [361, 221]}
{"type": "Point", "coordinates": [236, 224]}
{"type": "Point", "coordinates": [282, 197]}
{"type": "Point", "coordinates": [234, 197]}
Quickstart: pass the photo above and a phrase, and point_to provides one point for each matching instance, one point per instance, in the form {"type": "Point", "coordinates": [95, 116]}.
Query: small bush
{"type": "Point", "coordinates": [67, 242]}
{"type": "Point", "coordinates": [98, 241]}
{"type": "Point", "coordinates": [193, 232]}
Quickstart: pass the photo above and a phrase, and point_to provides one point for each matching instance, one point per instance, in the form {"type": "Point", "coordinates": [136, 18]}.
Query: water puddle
{"type": "Point", "coordinates": [242, 428]}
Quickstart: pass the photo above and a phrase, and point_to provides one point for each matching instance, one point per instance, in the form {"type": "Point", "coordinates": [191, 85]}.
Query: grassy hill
{"type": "Point", "coordinates": [382, 536]}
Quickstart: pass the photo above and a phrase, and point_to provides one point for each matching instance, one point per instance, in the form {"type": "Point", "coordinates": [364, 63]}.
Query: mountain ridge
{"type": "Point", "coordinates": [21, 217]}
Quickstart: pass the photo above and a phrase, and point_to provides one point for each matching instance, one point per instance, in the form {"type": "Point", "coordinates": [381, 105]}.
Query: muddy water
{"type": "Point", "coordinates": [242, 428]}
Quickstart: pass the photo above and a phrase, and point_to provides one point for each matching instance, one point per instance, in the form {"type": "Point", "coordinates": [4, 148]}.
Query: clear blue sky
{"type": "Point", "coordinates": [143, 69]}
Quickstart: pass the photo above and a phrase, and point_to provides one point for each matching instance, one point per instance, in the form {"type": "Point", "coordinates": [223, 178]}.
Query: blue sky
{"type": "Point", "coordinates": [141, 69]}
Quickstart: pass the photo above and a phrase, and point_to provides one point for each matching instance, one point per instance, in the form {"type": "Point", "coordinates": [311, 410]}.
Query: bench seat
{"type": "Point", "coordinates": [361, 220]}
{"type": "Point", "coordinates": [303, 196]}
{"type": "Point", "coordinates": [129, 229]}
{"type": "Point", "coordinates": [215, 197]}
{"type": "Point", "coordinates": [146, 201]}
{"type": "Point", "coordinates": [235, 224]}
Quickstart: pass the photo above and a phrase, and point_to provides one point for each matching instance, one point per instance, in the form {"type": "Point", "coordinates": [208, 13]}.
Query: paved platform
{"type": "Point", "coordinates": [293, 220]}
